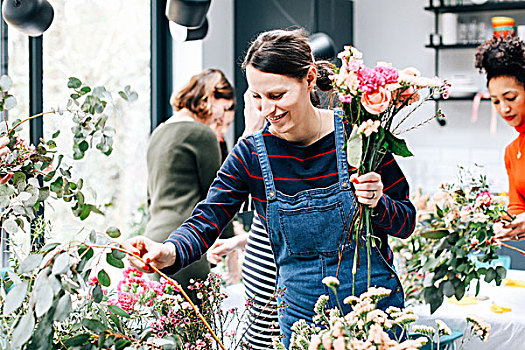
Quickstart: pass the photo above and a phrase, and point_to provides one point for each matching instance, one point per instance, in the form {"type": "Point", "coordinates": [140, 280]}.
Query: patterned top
{"type": "Point", "coordinates": [295, 168]}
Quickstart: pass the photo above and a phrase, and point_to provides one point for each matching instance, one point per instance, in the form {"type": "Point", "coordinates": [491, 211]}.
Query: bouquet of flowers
{"type": "Point", "coordinates": [371, 99]}
{"type": "Point", "coordinates": [456, 229]}
{"type": "Point", "coordinates": [366, 327]}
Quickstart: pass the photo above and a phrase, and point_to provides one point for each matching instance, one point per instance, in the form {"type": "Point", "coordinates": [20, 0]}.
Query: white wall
{"type": "Point", "coordinates": [396, 31]}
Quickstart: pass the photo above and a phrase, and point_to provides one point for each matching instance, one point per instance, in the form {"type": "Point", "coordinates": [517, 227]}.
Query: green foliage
{"type": "Point", "coordinates": [450, 236]}
{"type": "Point", "coordinates": [23, 196]}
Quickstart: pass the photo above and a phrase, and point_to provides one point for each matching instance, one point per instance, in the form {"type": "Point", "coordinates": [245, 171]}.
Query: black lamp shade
{"type": "Point", "coordinates": [322, 45]}
{"type": "Point", "coordinates": [188, 13]}
{"type": "Point", "coordinates": [198, 33]}
{"type": "Point", "coordinates": [31, 17]}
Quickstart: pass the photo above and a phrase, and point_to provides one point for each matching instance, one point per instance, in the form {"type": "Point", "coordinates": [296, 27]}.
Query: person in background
{"type": "Point", "coordinates": [297, 173]}
{"type": "Point", "coordinates": [183, 158]}
{"type": "Point", "coordinates": [503, 61]}
{"type": "Point", "coordinates": [4, 141]}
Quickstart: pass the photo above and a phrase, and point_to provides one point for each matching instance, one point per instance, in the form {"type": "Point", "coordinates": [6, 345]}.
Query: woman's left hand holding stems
{"type": "Point", "coordinates": [368, 188]}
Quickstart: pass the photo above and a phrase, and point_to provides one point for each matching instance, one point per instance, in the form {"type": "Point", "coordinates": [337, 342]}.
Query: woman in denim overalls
{"type": "Point", "coordinates": [304, 228]}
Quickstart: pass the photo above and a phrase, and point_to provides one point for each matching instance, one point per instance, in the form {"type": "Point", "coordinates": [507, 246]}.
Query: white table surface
{"type": "Point", "coordinates": [507, 329]}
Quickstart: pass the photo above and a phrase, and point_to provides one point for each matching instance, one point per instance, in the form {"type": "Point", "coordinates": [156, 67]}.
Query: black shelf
{"type": "Point", "coordinates": [490, 6]}
{"type": "Point", "coordinates": [454, 46]}
{"type": "Point", "coordinates": [470, 98]}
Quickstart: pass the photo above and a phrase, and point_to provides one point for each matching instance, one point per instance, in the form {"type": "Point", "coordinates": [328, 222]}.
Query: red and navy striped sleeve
{"type": "Point", "coordinates": [394, 215]}
{"type": "Point", "coordinates": [226, 195]}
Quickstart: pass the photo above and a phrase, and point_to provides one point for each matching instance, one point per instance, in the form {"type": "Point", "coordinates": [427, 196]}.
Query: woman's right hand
{"type": "Point", "coordinates": [4, 141]}
{"type": "Point", "coordinates": [253, 119]}
{"type": "Point", "coordinates": [223, 247]}
{"type": "Point", "coordinates": [158, 255]}
{"type": "Point", "coordinates": [512, 231]}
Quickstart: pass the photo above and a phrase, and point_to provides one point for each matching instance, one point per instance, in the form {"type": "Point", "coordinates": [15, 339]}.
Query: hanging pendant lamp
{"type": "Point", "coordinates": [188, 13]}
{"type": "Point", "coordinates": [32, 17]}
{"type": "Point", "coordinates": [322, 45]}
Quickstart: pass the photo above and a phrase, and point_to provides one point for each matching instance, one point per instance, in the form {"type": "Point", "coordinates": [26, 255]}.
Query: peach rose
{"type": "Point", "coordinates": [376, 102]}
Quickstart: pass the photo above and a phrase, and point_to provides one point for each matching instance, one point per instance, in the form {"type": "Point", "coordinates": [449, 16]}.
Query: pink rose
{"type": "Point", "coordinates": [376, 102]}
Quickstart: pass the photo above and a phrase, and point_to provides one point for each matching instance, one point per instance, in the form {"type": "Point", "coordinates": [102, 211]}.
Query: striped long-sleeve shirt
{"type": "Point", "coordinates": [295, 168]}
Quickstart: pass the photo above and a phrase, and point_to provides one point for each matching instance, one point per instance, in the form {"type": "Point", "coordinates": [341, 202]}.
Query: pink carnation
{"type": "Point", "coordinates": [131, 271]}
{"type": "Point", "coordinates": [370, 80]}
{"type": "Point", "coordinates": [126, 301]}
{"type": "Point", "coordinates": [390, 74]}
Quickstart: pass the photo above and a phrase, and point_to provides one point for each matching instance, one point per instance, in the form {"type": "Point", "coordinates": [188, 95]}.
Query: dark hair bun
{"type": "Point", "coordinates": [502, 56]}
{"type": "Point", "coordinates": [324, 70]}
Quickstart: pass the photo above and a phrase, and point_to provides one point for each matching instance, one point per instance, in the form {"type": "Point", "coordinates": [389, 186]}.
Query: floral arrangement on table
{"type": "Point", "coordinates": [367, 327]}
{"type": "Point", "coordinates": [372, 99]}
{"type": "Point", "coordinates": [455, 229]}
{"type": "Point", "coordinates": [61, 297]}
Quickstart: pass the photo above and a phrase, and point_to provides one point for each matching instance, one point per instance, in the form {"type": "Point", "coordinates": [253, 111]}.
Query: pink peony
{"type": "Point", "coordinates": [376, 102]}
{"type": "Point", "coordinates": [389, 74]}
{"type": "Point", "coordinates": [369, 80]}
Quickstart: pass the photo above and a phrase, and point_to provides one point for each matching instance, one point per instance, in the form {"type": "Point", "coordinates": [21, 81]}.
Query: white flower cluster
{"type": "Point", "coordinates": [480, 327]}
{"type": "Point", "coordinates": [443, 329]}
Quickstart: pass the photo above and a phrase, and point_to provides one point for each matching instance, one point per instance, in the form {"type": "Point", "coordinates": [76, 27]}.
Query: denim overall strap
{"type": "Point", "coordinates": [342, 164]}
{"type": "Point", "coordinates": [269, 185]}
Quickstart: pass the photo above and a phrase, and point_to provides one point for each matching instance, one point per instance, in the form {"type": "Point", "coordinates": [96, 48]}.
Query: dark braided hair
{"type": "Point", "coordinates": [502, 56]}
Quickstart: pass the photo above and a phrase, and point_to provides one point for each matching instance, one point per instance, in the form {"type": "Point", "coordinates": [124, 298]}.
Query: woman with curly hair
{"type": "Point", "coordinates": [503, 60]}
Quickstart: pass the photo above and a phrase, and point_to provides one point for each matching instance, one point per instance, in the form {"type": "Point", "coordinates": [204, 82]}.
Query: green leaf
{"type": "Point", "coordinates": [501, 271]}
{"type": "Point", "coordinates": [97, 294]}
{"type": "Point", "coordinates": [18, 177]}
{"type": "Point", "coordinates": [63, 309]}
{"type": "Point", "coordinates": [123, 95]}
{"type": "Point", "coordinates": [439, 212]}
{"type": "Point", "coordinates": [15, 298]}
{"type": "Point", "coordinates": [94, 325]}
{"type": "Point", "coordinates": [85, 89]}
{"type": "Point", "coordinates": [85, 212]}
{"type": "Point", "coordinates": [55, 134]}
{"type": "Point", "coordinates": [74, 83]}
{"type": "Point", "coordinates": [23, 330]}
{"type": "Point", "coordinates": [354, 148]}
{"type": "Point", "coordinates": [103, 278]}
{"type": "Point", "coordinates": [10, 226]}
{"type": "Point", "coordinates": [460, 291]}
{"type": "Point", "coordinates": [83, 146]}
{"type": "Point", "coordinates": [121, 344]}
{"type": "Point", "coordinates": [118, 311]}
{"type": "Point", "coordinates": [435, 234]}
{"type": "Point", "coordinates": [118, 254]}
{"type": "Point", "coordinates": [30, 263]}
{"type": "Point", "coordinates": [77, 340]}
{"type": "Point", "coordinates": [113, 232]}
{"type": "Point", "coordinates": [61, 264]}
{"type": "Point", "coordinates": [396, 145]}
{"type": "Point", "coordinates": [42, 296]}
{"type": "Point", "coordinates": [114, 261]}
{"type": "Point", "coordinates": [448, 289]}
{"type": "Point", "coordinates": [490, 275]}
